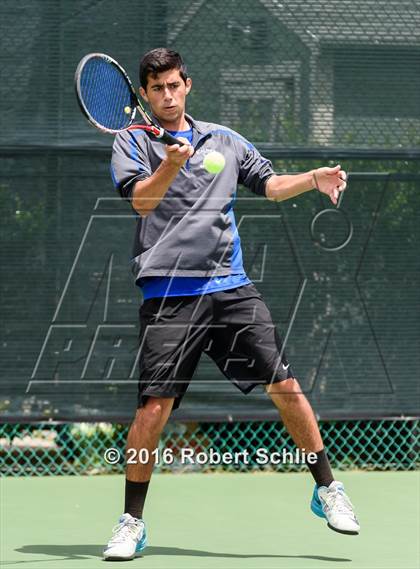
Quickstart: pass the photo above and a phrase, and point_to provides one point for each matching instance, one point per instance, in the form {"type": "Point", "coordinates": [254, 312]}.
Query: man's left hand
{"type": "Point", "coordinates": [330, 181]}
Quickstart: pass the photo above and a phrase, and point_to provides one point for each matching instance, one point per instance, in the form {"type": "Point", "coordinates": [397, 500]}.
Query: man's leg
{"type": "Point", "coordinates": [144, 433]}
{"type": "Point", "coordinates": [173, 333]}
{"type": "Point", "coordinates": [296, 413]}
{"type": "Point", "coordinates": [129, 538]}
{"type": "Point", "coordinates": [301, 424]}
{"type": "Point", "coordinates": [247, 348]}
{"type": "Point", "coordinates": [329, 500]}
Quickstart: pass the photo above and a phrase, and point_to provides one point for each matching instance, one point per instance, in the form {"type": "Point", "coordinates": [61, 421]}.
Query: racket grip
{"type": "Point", "coordinates": [167, 138]}
{"type": "Point", "coordinates": [164, 136]}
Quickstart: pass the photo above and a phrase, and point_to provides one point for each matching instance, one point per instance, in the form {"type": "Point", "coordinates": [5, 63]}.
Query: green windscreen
{"type": "Point", "coordinates": [310, 84]}
{"type": "Point", "coordinates": [298, 73]}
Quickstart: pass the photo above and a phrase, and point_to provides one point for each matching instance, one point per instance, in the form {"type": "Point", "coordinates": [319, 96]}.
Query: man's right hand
{"type": "Point", "coordinates": [148, 193]}
{"type": "Point", "coordinates": [178, 154]}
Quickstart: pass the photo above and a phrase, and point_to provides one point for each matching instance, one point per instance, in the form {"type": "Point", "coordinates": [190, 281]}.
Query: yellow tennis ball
{"type": "Point", "coordinates": [127, 110]}
{"type": "Point", "coordinates": [214, 162]}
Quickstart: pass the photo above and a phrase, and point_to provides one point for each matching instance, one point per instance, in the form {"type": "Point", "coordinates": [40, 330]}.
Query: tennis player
{"type": "Point", "coordinates": [187, 260]}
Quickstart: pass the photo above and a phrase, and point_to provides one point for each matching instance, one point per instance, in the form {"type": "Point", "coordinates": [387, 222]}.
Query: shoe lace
{"type": "Point", "coordinates": [123, 530]}
{"type": "Point", "coordinates": [336, 499]}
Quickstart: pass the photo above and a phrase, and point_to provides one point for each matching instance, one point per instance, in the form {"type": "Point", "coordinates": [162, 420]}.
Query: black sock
{"type": "Point", "coordinates": [135, 495]}
{"type": "Point", "coordinates": [321, 470]}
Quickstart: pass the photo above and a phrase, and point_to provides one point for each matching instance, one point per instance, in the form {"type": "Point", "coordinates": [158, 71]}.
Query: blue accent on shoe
{"type": "Point", "coordinates": [142, 543]}
{"type": "Point", "coordinates": [316, 505]}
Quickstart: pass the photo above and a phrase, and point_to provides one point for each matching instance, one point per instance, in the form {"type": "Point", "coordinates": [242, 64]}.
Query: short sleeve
{"type": "Point", "coordinates": [255, 170]}
{"type": "Point", "coordinates": [129, 162]}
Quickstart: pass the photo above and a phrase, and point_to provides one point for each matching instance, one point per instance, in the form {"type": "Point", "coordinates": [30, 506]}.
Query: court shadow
{"type": "Point", "coordinates": [83, 552]}
{"type": "Point", "coordinates": [174, 551]}
{"type": "Point", "coordinates": [64, 552]}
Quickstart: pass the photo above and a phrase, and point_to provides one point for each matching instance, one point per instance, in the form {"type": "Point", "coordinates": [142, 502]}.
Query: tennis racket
{"type": "Point", "coordinates": [107, 98]}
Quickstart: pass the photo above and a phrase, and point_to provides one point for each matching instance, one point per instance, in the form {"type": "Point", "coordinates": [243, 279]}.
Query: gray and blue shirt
{"type": "Point", "coordinates": [192, 232]}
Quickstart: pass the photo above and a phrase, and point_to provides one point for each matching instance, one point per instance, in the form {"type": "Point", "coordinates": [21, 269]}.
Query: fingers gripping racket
{"type": "Point", "coordinates": [108, 100]}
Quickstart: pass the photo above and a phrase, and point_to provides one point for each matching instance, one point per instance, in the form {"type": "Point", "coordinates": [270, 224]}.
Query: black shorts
{"type": "Point", "coordinates": [234, 327]}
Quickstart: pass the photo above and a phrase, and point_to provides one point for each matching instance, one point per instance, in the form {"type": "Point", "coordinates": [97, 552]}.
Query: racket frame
{"type": "Point", "coordinates": [157, 131]}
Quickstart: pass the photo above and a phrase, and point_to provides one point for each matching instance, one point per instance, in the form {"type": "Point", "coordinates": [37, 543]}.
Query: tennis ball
{"type": "Point", "coordinates": [214, 162]}
{"type": "Point", "coordinates": [127, 110]}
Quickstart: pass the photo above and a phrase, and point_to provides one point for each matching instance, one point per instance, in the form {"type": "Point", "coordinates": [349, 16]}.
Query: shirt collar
{"type": "Point", "coordinates": [193, 123]}
{"type": "Point", "coordinates": [189, 120]}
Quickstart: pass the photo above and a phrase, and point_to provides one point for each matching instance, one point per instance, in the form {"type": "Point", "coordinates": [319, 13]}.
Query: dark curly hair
{"type": "Point", "coordinates": [159, 60]}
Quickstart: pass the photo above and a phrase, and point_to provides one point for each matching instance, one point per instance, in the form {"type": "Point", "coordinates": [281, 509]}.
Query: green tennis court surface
{"type": "Point", "coordinates": [218, 520]}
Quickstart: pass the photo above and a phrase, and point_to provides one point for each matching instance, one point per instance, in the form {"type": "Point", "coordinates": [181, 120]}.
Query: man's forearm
{"type": "Point", "coordinates": [287, 186]}
{"type": "Point", "coordinates": [148, 193]}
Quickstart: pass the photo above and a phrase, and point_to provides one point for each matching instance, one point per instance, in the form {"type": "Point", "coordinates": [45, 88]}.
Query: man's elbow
{"type": "Point", "coordinates": [272, 197]}
{"type": "Point", "coordinates": [143, 207]}
{"type": "Point", "coordinates": [271, 189]}
{"type": "Point", "coordinates": [140, 203]}
{"type": "Point", "coordinates": [273, 194]}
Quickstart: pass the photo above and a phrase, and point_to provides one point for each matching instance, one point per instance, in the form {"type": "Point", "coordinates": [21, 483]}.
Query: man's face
{"type": "Point", "coordinates": [166, 94]}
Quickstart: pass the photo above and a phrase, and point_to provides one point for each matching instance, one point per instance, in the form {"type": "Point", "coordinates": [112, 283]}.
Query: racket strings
{"type": "Point", "coordinates": [106, 94]}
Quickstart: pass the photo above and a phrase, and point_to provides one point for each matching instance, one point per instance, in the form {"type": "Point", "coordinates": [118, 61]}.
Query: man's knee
{"type": "Point", "coordinates": [288, 390]}
{"type": "Point", "coordinates": [154, 412]}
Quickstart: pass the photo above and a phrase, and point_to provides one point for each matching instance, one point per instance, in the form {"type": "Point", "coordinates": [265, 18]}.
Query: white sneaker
{"type": "Point", "coordinates": [129, 539]}
{"type": "Point", "coordinates": [332, 504]}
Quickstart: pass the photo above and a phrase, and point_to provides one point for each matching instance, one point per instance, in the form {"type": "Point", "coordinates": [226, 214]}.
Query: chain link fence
{"type": "Point", "coordinates": [98, 448]}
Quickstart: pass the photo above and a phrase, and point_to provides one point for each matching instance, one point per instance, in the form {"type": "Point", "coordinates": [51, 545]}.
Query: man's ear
{"type": "Point", "coordinates": [188, 85]}
{"type": "Point", "coordinates": [143, 94]}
